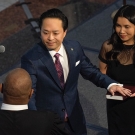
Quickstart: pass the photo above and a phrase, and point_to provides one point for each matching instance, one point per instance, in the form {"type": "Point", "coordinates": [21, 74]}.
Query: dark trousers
{"type": "Point", "coordinates": [68, 126]}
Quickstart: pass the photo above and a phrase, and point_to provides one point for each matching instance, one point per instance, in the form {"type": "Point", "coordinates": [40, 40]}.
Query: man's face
{"type": "Point", "coordinates": [52, 33]}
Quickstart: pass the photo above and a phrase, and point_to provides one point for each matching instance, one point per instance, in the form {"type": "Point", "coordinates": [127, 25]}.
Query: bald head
{"type": "Point", "coordinates": [17, 87]}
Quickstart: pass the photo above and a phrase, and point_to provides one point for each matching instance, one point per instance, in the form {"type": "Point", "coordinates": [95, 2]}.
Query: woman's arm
{"type": "Point", "coordinates": [102, 67]}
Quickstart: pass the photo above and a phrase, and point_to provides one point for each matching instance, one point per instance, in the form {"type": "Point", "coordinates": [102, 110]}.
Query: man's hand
{"type": "Point", "coordinates": [123, 91]}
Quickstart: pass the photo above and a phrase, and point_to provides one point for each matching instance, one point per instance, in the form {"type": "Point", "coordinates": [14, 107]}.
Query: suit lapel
{"type": "Point", "coordinates": [71, 61]}
{"type": "Point", "coordinates": [46, 59]}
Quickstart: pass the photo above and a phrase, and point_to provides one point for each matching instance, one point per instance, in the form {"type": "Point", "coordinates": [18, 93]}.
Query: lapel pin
{"type": "Point", "coordinates": [71, 49]}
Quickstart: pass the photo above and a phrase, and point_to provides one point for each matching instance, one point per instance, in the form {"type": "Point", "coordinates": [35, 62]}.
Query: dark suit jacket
{"type": "Point", "coordinates": [30, 122]}
{"type": "Point", "coordinates": [48, 93]}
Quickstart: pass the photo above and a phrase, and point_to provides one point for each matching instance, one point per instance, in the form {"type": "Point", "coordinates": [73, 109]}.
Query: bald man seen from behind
{"type": "Point", "coordinates": [16, 119]}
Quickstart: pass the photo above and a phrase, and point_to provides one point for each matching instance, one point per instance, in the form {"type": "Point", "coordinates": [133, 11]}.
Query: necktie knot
{"type": "Point", "coordinates": [57, 56]}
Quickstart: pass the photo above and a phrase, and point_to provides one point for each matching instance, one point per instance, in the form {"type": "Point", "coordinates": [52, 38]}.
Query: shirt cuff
{"type": "Point", "coordinates": [121, 85]}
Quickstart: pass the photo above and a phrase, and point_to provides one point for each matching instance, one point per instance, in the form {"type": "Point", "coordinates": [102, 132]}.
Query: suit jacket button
{"type": "Point", "coordinates": [63, 110]}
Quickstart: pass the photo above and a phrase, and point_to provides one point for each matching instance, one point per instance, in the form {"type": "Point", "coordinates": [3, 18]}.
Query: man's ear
{"type": "Point", "coordinates": [31, 92]}
{"type": "Point", "coordinates": [65, 32]}
{"type": "Point", "coordinates": [1, 87]}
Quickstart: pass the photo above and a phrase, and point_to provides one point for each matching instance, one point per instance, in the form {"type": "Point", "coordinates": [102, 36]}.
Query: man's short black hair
{"type": "Point", "coordinates": [54, 13]}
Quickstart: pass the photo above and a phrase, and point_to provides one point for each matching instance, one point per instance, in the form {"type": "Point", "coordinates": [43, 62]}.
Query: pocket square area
{"type": "Point", "coordinates": [77, 63]}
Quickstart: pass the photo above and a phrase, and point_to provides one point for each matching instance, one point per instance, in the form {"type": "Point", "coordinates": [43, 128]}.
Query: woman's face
{"type": "Point", "coordinates": [125, 30]}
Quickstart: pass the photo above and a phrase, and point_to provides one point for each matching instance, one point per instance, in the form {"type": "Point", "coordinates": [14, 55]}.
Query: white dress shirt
{"type": "Point", "coordinates": [13, 107]}
{"type": "Point", "coordinates": [121, 85]}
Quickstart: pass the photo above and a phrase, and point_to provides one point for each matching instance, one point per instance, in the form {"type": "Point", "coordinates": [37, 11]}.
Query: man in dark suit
{"type": "Point", "coordinates": [16, 119]}
{"type": "Point", "coordinates": [52, 90]}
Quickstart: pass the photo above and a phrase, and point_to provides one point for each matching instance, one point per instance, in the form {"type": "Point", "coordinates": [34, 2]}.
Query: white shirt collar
{"type": "Point", "coordinates": [52, 52]}
{"type": "Point", "coordinates": [13, 107]}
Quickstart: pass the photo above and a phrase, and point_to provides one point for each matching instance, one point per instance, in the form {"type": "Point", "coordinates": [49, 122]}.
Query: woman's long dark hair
{"type": "Point", "coordinates": [128, 12]}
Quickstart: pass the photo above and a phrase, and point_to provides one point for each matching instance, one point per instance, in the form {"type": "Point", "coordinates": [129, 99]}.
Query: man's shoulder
{"type": "Point", "coordinates": [45, 113]}
{"type": "Point", "coordinates": [32, 53]}
{"type": "Point", "coordinates": [30, 114]}
{"type": "Point", "coordinates": [74, 44]}
{"type": "Point", "coordinates": [70, 42]}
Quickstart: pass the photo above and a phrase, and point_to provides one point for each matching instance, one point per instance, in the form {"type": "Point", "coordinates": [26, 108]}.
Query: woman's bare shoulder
{"type": "Point", "coordinates": [107, 46]}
